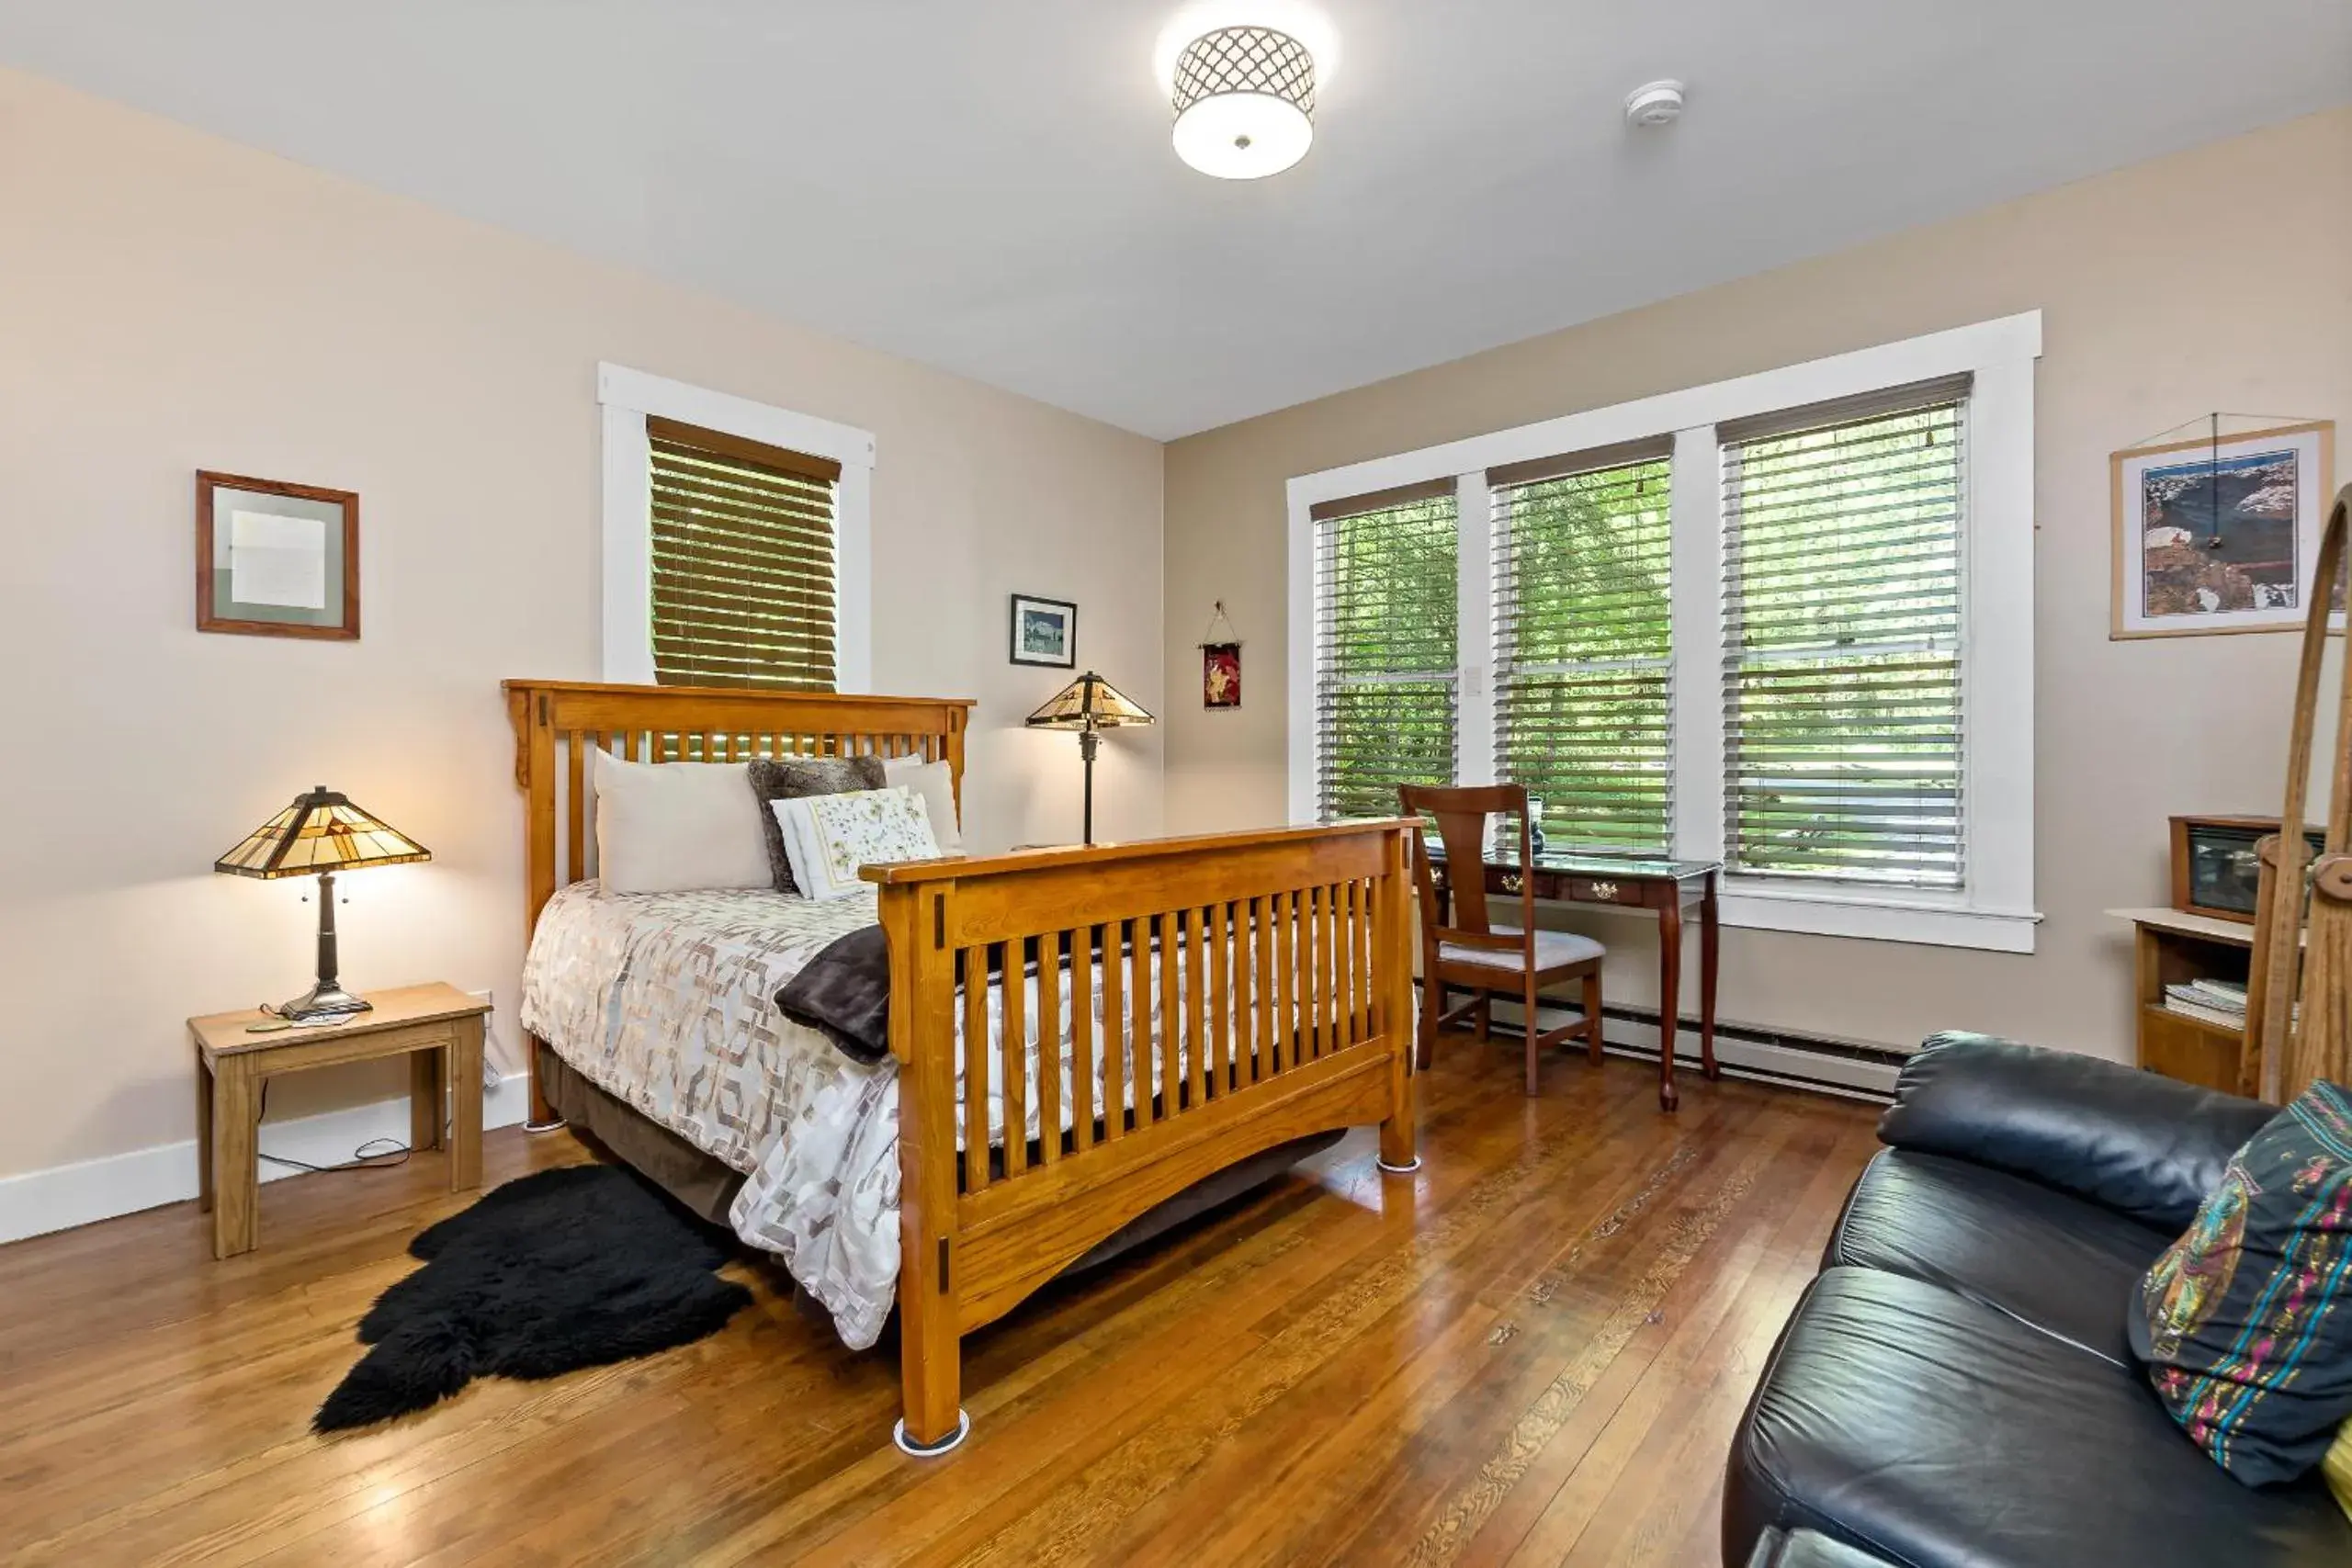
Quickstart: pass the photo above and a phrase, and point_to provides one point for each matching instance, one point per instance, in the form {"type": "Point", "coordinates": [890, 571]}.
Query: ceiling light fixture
{"type": "Point", "coordinates": [1245, 102]}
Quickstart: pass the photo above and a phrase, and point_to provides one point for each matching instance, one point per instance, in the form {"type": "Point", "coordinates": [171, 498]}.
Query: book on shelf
{"type": "Point", "coordinates": [2215, 1016]}
{"type": "Point", "coordinates": [2222, 992]}
{"type": "Point", "coordinates": [2192, 994]}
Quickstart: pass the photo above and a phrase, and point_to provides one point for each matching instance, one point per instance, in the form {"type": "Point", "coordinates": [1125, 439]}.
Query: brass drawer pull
{"type": "Point", "coordinates": [1512, 881]}
{"type": "Point", "coordinates": [1604, 890]}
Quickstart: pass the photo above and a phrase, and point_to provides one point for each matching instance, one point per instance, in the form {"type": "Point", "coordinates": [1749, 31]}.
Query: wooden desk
{"type": "Point", "coordinates": [438, 1027]}
{"type": "Point", "coordinates": [1666, 887]}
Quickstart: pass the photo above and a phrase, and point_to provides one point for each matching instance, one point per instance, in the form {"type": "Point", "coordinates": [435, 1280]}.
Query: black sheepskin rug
{"type": "Point", "coordinates": [561, 1270]}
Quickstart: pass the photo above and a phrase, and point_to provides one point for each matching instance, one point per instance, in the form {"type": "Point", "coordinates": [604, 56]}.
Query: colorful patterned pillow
{"type": "Point", "coordinates": [829, 837]}
{"type": "Point", "coordinates": [2246, 1321]}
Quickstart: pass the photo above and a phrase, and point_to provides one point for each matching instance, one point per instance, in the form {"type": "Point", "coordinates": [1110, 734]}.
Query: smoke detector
{"type": "Point", "coordinates": [1654, 103]}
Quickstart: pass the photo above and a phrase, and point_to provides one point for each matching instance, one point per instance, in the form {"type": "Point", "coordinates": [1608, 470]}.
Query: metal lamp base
{"type": "Point", "coordinates": [325, 999]}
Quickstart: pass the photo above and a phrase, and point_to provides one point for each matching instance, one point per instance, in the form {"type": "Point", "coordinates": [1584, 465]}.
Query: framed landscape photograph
{"type": "Point", "coordinates": [1045, 632]}
{"type": "Point", "coordinates": [276, 559]}
{"type": "Point", "coordinates": [2220, 535]}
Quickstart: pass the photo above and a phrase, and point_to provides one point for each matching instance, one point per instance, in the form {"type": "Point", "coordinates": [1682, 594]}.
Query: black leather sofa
{"type": "Point", "coordinates": [1955, 1389]}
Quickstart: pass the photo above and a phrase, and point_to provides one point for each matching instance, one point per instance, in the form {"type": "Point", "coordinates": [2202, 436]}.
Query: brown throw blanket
{"type": "Point", "coordinates": [843, 993]}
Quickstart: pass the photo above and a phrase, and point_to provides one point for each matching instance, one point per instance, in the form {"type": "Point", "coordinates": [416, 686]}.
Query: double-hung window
{"type": "Point", "coordinates": [735, 541]}
{"type": "Point", "coordinates": [1387, 648]}
{"type": "Point", "coordinates": [1584, 667]}
{"type": "Point", "coordinates": [1783, 622]}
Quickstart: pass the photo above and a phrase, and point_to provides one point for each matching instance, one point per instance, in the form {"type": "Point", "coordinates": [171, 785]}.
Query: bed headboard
{"type": "Point", "coordinates": [557, 723]}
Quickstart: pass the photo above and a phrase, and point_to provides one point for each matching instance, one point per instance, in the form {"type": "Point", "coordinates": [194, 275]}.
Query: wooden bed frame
{"type": "Point", "coordinates": [1302, 933]}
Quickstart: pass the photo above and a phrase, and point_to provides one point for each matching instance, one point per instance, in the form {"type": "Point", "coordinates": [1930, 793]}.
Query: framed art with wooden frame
{"type": "Point", "coordinates": [2219, 533]}
{"type": "Point", "coordinates": [276, 559]}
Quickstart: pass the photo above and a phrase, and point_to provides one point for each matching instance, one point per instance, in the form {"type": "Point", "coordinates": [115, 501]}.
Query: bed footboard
{"type": "Point", "coordinates": [1223, 995]}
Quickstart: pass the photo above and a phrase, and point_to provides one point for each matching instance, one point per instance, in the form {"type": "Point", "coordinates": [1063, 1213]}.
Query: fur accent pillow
{"type": "Point", "coordinates": [790, 778]}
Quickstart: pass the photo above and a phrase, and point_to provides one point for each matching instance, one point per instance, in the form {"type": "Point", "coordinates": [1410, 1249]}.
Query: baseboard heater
{"type": "Point", "coordinates": [1855, 1069]}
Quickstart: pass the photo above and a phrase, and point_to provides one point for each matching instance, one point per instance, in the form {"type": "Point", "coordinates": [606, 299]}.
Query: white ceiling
{"type": "Point", "coordinates": [987, 184]}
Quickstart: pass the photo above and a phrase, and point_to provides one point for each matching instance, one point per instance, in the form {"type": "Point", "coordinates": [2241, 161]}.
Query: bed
{"type": "Point", "coordinates": [1151, 1019]}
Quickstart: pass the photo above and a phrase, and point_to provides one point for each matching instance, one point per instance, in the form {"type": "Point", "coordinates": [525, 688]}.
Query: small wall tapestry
{"type": "Point", "coordinates": [1220, 663]}
{"type": "Point", "coordinates": [2220, 533]}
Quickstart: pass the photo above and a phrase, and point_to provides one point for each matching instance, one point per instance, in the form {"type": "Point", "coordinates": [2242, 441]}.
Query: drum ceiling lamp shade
{"type": "Point", "coordinates": [321, 834]}
{"type": "Point", "coordinates": [1245, 102]}
{"type": "Point", "coordinates": [1088, 705]}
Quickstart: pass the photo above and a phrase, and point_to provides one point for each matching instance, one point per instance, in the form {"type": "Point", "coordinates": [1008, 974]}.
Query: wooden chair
{"type": "Point", "coordinates": [1472, 954]}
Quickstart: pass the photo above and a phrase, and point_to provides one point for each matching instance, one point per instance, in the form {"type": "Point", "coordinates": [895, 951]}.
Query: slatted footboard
{"type": "Point", "coordinates": [1134, 1018]}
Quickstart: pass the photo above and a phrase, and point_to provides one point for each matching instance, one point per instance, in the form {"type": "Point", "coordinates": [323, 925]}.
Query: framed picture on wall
{"type": "Point", "coordinates": [276, 559]}
{"type": "Point", "coordinates": [1045, 632]}
{"type": "Point", "coordinates": [2221, 534]}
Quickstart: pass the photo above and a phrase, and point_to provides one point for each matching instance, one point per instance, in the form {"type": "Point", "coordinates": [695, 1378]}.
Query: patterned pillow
{"type": "Point", "coordinates": [2246, 1321]}
{"type": "Point", "coordinates": [829, 837]}
{"type": "Point", "coordinates": [788, 778]}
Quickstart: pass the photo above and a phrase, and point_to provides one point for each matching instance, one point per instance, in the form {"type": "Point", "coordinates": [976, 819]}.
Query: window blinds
{"type": "Point", "coordinates": [1583, 640]}
{"type": "Point", "coordinates": [1842, 695]}
{"type": "Point", "coordinates": [743, 585]}
{"type": "Point", "coordinates": [1385, 631]}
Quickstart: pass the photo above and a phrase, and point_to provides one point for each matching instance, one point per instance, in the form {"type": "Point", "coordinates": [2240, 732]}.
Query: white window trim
{"type": "Point", "coordinates": [1995, 908]}
{"type": "Point", "coordinates": [627, 397]}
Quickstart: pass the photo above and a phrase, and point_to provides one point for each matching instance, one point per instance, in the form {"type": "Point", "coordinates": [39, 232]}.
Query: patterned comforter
{"type": "Point", "coordinates": [666, 1001]}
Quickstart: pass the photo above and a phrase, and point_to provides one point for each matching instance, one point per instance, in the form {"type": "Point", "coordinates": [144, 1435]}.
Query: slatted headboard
{"type": "Point", "coordinates": [558, 723]}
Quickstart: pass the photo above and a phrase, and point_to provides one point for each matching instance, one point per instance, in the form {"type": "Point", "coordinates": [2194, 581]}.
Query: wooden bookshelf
{"type": "Point", "coordinates": [2168, 948]}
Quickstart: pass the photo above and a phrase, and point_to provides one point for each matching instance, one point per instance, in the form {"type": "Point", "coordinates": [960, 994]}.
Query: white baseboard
{"type": "Point", "coordinates": [1827, 1071]}
{"type": "Point", "coordinates": [65, 1196]}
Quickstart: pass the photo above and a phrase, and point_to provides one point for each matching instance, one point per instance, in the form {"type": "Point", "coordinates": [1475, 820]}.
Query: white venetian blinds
{"type": "Point", "coordinates": [1584, 671]}
{"type": "Point", "coordinates": [1841, 678]}
{"type": "Point", "coordinates": [1386, 617]}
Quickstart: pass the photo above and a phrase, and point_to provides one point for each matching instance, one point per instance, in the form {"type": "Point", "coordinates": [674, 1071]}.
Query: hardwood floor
{"type": "Point", "coordinates": [1533, 1352]}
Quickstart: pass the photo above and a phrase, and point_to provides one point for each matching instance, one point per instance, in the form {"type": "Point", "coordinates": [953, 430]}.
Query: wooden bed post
{"type": "Point", "coordinates": [535, 773]}
{"type": "Point", "coordinates": [922, 1008]}
{"type": "Point", "coordinates": [1393, 938]}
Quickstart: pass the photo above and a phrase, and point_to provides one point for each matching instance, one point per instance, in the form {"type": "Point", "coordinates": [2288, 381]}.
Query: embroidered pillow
{"type": "Point", "coordinates": [2246, 1321]}
{"type": "Point", "coordinates": [829, 837]}
{"type": "Point", "coordinates": [786, 778]}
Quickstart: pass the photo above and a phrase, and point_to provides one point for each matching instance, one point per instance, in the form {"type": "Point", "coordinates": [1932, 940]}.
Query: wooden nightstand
{"type": "Point", "coordinates": [438, 1027]}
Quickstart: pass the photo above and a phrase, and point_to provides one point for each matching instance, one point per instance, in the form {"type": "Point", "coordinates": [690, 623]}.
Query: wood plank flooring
{"type": "Point", "coordinates": [1531, 1353]}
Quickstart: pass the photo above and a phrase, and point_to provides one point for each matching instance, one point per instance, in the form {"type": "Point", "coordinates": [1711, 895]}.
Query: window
{"type": "Point", "coordinates": [1841, 643]}
{"type": "Point", "coordinates": [735, 541]}
{"type": "Point", "coordinates": [1784, 622]}
{"type": "Point", "coordinates": [1584, 674]}
{"type": "Point", "coordinates": [742, 544]}
{"type": "Point", "coordinates": [1389, 656]}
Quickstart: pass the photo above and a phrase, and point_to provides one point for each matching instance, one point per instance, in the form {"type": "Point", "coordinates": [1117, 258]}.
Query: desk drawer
{"type": "Point", "coordinates": [1603, 890]}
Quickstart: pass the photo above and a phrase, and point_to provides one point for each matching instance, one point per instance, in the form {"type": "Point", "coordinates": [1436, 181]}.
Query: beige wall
{"type": "Point", "coordinates": [168, 302]}
{"type": "Point", "coordinates": [2215, 279]}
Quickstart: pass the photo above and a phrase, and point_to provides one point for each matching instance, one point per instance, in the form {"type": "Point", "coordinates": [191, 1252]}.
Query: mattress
{"type": "Point", "coordinates": [666, 1002]}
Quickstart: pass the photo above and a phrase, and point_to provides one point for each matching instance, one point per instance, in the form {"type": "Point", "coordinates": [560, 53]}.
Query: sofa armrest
{"type": "Point", "coordinates": [2144, 1145]}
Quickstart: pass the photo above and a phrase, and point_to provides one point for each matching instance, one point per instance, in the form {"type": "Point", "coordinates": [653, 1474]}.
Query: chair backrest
{"type": "Point", "coordinates": [1461, 812]}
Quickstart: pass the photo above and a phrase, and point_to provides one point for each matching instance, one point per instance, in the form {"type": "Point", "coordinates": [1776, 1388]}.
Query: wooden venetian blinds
{"type": "Point", "coordinates": [1842, 691]}
{"type": "Point", "coordinates": [1386, 619]}
{"type": "Point", "coordinates": [1584, 657]}
{"type": "Point", "coordinates": [743, 562]}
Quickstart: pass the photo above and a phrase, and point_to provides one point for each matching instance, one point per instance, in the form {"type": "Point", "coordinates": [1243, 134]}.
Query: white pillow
{"type": "Point", "coordinates": [935, 785]}
{"type": "Point", "coordinates": [828, 837]}
{"type": "Point", "coordinates": [672, 827]}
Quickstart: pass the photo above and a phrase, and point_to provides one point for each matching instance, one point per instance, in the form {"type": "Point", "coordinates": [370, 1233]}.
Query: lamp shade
{"type": "Point", "coordinates": [1245, 102]}
{"type": "Point", "coordinates": [1089, 703]}
{"type": "Point", "coordinates": [322, 831]}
